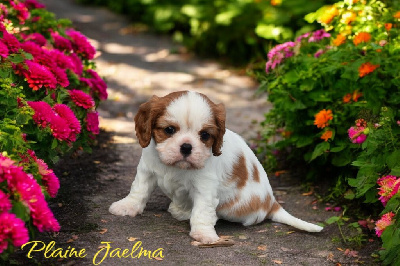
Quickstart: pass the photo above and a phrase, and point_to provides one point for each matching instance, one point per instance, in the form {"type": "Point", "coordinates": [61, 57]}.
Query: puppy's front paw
{"type": "Point", "coordinates": [205, 237]}
{"type": "Point", "coordinates": [125, 207]}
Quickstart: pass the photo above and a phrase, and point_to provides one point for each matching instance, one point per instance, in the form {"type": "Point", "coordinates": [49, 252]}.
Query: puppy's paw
{"type": "Point", "coordinates": [205, 237]}
{"type": "Point", "coordinates": [125, 207]}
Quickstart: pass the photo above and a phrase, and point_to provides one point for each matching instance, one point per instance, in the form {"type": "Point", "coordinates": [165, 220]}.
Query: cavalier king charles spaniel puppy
{"type": "Point", "coordinates": [207, 171]}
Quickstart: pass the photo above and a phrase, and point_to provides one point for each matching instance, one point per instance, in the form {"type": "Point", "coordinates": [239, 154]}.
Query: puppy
{"type": "Point", "coordinates": [207, 171]}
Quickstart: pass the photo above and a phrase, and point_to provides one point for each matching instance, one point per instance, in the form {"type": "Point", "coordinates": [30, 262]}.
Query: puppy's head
{"type": "Point", "coordinates": [186, 126]}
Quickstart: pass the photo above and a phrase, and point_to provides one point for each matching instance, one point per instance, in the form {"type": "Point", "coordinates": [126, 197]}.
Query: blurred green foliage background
{"type": "Point", "coordinates": [238, 31]}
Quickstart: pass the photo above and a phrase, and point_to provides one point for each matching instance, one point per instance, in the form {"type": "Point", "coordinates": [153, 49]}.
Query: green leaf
{"type": "Point", "coordinates": [342, 159]}
{"type": "Point", "coordinates": [395, 171]}
{"type": "Point", "coordinates": [333, 219]}
{"type": "Point", "coordinates": [320, 149]}
{"type": "Point", "coordinates": [393, 159]}
{"type": "Point", "coordinates": [54, 144]}
{"type": "Point", "coordinates": [20, 210]}
{"type": "Point", "coordinates": [291, 77]}
{"type": "Point", "coordinates": [16, 58]}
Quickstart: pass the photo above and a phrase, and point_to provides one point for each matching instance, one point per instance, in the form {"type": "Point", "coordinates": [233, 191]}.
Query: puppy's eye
{"type": "Point", "coordinates": [169, 130]}
{"type": "Point", "coordinates": [204, 136]}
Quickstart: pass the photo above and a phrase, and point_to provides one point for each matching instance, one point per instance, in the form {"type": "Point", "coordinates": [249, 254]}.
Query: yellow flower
{"type": "Point", "coordinates": [329, 14]}
{"type": "Point", "coordinates": [348, 17]}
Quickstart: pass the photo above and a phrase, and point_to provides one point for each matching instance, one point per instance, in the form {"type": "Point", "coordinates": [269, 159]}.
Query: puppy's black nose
{"type": "Point", "coordinates": [186, 149]}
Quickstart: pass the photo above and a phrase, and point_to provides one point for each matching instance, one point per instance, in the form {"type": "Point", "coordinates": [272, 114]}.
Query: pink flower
{"type": "Point", "coordinates": [384, 222]}
{"type": "Point", "coordinates": [356, 134]}
{"type": "Point", "coordinates": [5, 203]}
{"type": "Point", "coordinates": [81, 99]}
{"type": "Point", "coordinates": [30, 193]}
{"type": "Point", "coordinates": [303, 36]}
{"type": "Point", "coordinates": [3, 50]}
{"type": "Point", "coordinates": [11, 41]}
{"type": "Point", "coordinates": [60, 75]}
{"type": "Point", "coordinates": [37, 38]}
{"type": "Point", "coordinates": [43, 113]}
{"type": "Point", "coordinates": [389, 186]}
{"type": "Point", "coordinates": [319, 53]}
{"type": "Point", "coordinates": [81, 45]}
{"type": "Point", "coordinates": [97, 84]}
{"type": "Point", "coordinates": [77, 66]}
{"type": "Point", "coordinates": [50, 180]}
{"type": "Point", "coordinates": [39, 76]}
{"type": "Point", "coordinates": [318, 35]}
{"type": "Point", "coordinates": [22, 11]}
{"type": "Point", "coordinates": [13, 229]}
{"type": "Point", "coordinates": [277, 54]}
{"type": "Point", "coordinates": [32, 4]}
{"type": "Point", "coordinates": [92, 122]}
{"type": "Point", "coordinates": [61, 43]}
{"type": "Point", "coordinates": [68, 115]}
{"type": "Point", "coordinates": [61, 59]}
{"type": "Point", "coordinates": [59, 128]}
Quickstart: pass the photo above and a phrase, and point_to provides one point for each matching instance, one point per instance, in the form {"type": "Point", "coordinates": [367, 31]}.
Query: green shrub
{"type": "Point", "coordinates": [236, 30]}
{"type": "Point", "coordinates": [49, 92]}
{"type": "Point", "coordinates": [335, 96]}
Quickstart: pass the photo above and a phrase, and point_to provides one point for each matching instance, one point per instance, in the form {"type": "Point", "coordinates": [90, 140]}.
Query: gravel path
{"type": "Point", "coordinates": [137, 65]}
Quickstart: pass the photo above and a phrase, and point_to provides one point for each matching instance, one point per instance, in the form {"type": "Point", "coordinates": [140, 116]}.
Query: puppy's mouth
{"type": "Point", "coordinates": [185, 165]}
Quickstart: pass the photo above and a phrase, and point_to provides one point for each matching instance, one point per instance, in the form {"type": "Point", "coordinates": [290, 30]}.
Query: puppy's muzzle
{"type": "Point", "coordinates": [186, 149]}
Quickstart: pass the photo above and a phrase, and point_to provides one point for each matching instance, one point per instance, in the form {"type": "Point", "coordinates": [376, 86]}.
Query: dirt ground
{"type": "Point", "coordinates": [137, 65]}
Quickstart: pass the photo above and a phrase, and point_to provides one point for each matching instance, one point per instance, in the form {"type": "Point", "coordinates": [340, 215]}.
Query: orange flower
{"type": "Point", "coordinates": [329, 14]}
{"type": "Point", "coordinates": [388, 26]}
{"type": "Point", "coordinates": [362, 37]}
{"type": "Point", "coordinates": [397, 14]}
{"type": "Point", "coordinates": [322, 118]}
{"type": "Point", "coordinates": [367, 68]}
{"type": "Point", "coordinates": [378, 50]}
{"type": "Point", "coordinates": [340, 39]}
{"type": "Point", "coordinates": [347, 98]}
{"type": "Point", "coordinates": [357, 95]}
{"type": "Point", "coordinates": [327, 135]}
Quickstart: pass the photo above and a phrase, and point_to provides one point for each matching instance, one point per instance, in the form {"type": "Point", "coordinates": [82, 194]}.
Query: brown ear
{"type": "Point", "coordinates": [144, 121]}
{"type": "Point", "coordinates": [219, 115]}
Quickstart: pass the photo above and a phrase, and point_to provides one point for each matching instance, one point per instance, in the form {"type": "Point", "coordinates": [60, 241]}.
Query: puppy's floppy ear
{"type": "Point", "coordinates": [219, 115]}
{"type": "Point", "coordinates": [144, 121]}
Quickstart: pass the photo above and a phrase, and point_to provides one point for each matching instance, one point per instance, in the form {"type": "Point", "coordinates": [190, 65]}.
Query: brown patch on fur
{"type": "Point", "coordinates": [256, 174]}
{"type": "Point", "coordinates": [229, 204]}
{"type": "Point", "coordinates": [239, 172]}
{"type": "Point", "coordinates": [219, 113]}
{"type": "Point", "coordinates": [159, 134]}
{"type": "Point", "coordinates": [275, 207]}
{"type": "Point", "coordinates": [255, 204]}
{"type": "Point", "coordinates": [213, 131]}
{"type": "Point", "coordinates": [148, 114]}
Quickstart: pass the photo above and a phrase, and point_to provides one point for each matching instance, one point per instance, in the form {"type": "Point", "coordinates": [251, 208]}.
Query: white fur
{"type": "Point", "coordinates": [196, 192]}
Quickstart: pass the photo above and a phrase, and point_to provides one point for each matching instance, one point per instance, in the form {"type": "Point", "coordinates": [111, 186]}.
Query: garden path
{"type": "Point", "coordinates": [137, 65]}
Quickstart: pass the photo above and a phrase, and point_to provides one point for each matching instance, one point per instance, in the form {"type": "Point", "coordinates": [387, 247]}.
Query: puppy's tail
{"type": "Point", "coordinates": [280, 215]}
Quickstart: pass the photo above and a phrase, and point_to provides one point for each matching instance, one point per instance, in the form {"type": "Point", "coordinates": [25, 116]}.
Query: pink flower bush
{"type": "Point", "coordinates": [81, 99]}
{"type": "Point", "coordinates": [12, 229]}
{"type": "Point", "coordinates": [388, 187]}
{"type": "Point", "coordinates": [384, 222]}
{"type": "Point", "coordinates": [30, 192]}
{"type": "Point", "coordinates": [277, 54]}
{"type": "Point", "coordinates": [43, 60]}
